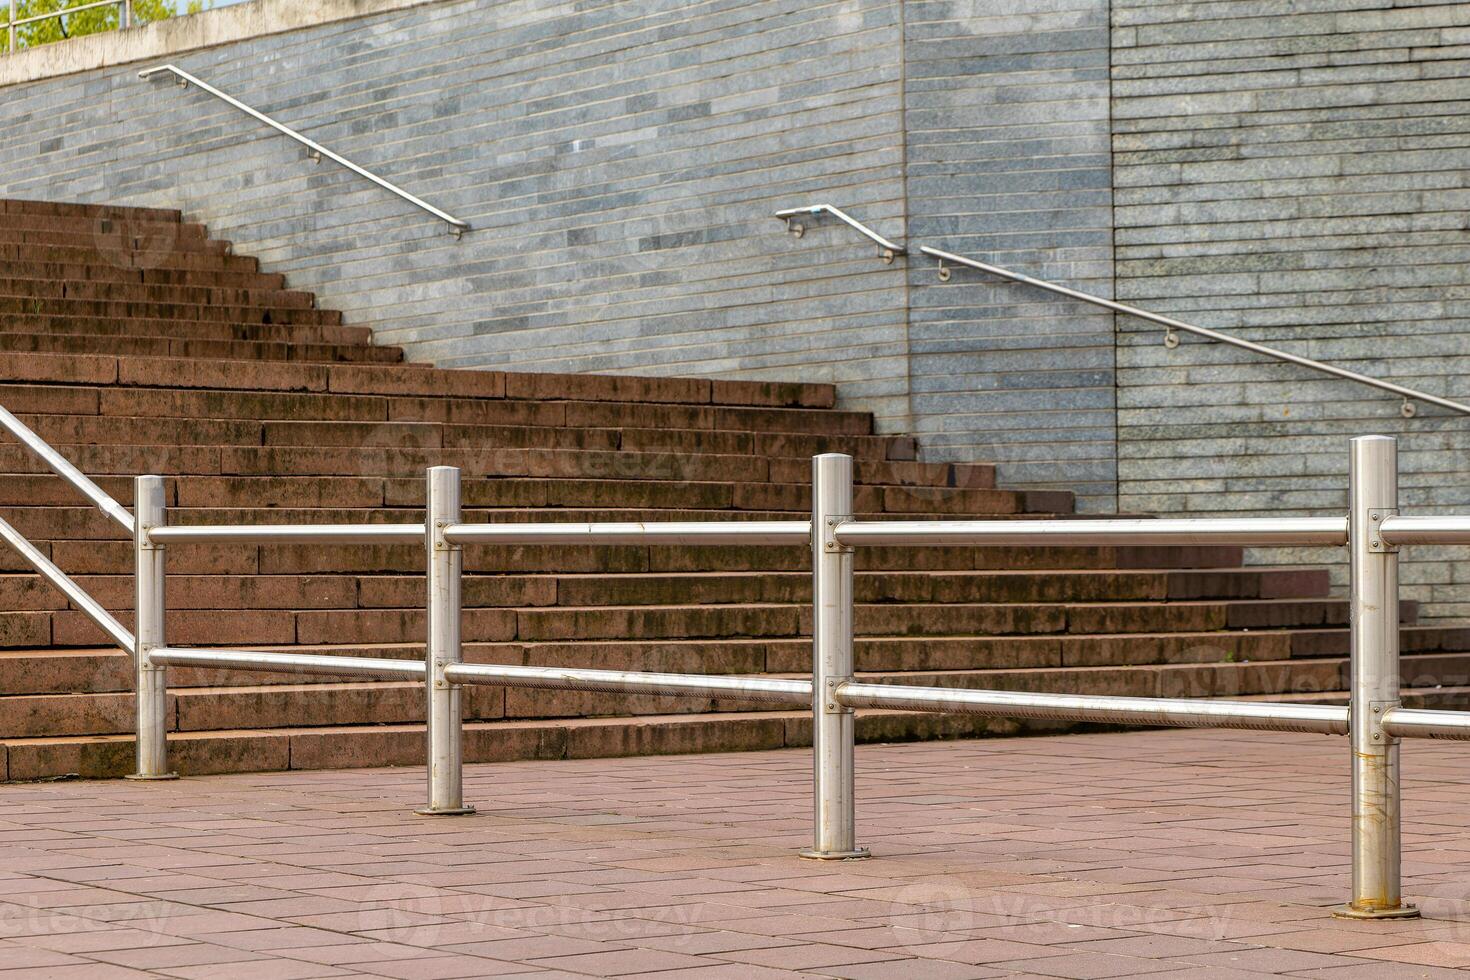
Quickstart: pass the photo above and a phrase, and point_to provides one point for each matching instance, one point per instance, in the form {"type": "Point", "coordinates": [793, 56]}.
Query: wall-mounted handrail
{"type": "Point", "coordinates": [457, 226]}
{"type": "Point", "coordinates": [889, 248]}
{"type": "Point", "coordinates": [1409, 395]}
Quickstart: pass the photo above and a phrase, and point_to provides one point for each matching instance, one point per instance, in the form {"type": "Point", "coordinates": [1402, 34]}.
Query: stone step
{"type": "Point", "coordinates": [71, 429]}
{"type": "Point", "coordinates": [195, 460]}
{"type": "Point", "coordinates": [153, 292]}
{"type": "Point", "coordinates": [346, 746]}
{"type": "Point", "coordinates": [179, 329]}
{"type": "Point", "coordinates": [11, 305]}
{"type": "Point", "coordinates": [109, 272]}
{"type": "Point", "coordinates": [233, 350]}
{"type": "Point", "coordinates": [73, 399]}
{"type": "Point", "coordinates": [1432, 655]}
{"type": "Point", "coordinates": [402, 380]}
{"type": "Point", "coordinates": [66, 209]}
{"type": "Point", "coordinates": [118, 242]}
{"type": "Point", "coordinates": [87, 253]}
{"type": "Point", "coordinates": [21, 592]}
{"type": "Point", "coordinates": [115, 557]}
{"type": "Point", "coordinates": [675, 622]}
{"type": "Point", "coordinates": [119, 222]}
{"type": "Point", "coordinates": [354, 702]}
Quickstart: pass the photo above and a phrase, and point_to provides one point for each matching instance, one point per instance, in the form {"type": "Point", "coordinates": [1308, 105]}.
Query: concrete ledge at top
{"type": "Point", "coordinates": [185, 33]}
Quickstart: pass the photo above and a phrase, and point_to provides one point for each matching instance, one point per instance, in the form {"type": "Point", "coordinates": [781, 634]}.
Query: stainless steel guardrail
{"type": "Point", "coordinates": [457, 226]}
{"type": "Point", "coordinates": [1374, 720]}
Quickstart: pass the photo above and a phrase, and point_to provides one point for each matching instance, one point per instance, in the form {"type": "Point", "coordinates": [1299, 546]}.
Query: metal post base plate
{"type": "Point", "coordinates": [856, 854]}
{"type": "Point", "coordinates": [453, 811]}
{"type": "Point", "coordinates": [141, 778]}
{"type": "Point", "coordinates": [1404, 911]}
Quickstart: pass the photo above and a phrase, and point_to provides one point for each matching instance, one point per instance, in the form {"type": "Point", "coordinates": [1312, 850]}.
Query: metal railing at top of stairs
{"type": "Point", "coordinates": [457, 226]}
{"type": "Point", "coordinates": [125, 17]}
{"type": "Point", "coordinates": [1171, 326]}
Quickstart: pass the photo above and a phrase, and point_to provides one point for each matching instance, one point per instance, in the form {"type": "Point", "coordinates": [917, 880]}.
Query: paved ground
{"type": "Point", "coordinates": [1168, 854]}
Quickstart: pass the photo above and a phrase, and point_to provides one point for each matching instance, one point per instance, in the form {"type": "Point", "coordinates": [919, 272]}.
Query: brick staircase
{"type": "Point", "coordinates": [135, 343]}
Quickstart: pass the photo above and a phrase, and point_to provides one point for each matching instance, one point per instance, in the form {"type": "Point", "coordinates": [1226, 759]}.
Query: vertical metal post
{"type": "Point", "coordinates": [10, 29]}
{"type": "Point", "coordinates": [445, 751]}
{"type": "Point", "coordinates": [127, 14]}
{"type": "Point", "coordinates": [834, 836]}
{"type": "Point", "coordinates": [1373, 495]}
{"type": "Point", "coordinates": [150, 688]}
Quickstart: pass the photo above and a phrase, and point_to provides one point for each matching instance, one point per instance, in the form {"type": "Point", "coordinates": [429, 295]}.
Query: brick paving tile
{"type": "Point", "coordinates": [701, 943]}
{"type": "Point", "coordinates": [980, 951]}
{"type": "Point", "coordinates": [1340, 941]}
{"type": "Point", "coordinates": [1212, 973]}
{"type": "Point", "coordinates": [1175, 946]}
{"type": "Point", "coordinates": [16, 957]}
{"type": "Point", "coordinates": [1089, 966]}
{"type": "Point", "coordinates": [1274, 960]}
{"type": "Point", "coordinates": [1454, 955]}
{"type": "Point", "coordinates": [620, 963]}
{"type": "Point", "coordinates": [1382, 971]}
{"type": "Point", "coordinates": [915, 970]}
{"type": "Point", "coordinates": [261, 970]}
{"type": "Point", "coordinates": [441, 967]}
{"type": "Point", "coordinates": [723, 971]}
{"type": "Point", "coordinates": [84, 971]}
{"type": "Point", "coordinates": [192, 954]}
{"type": "Point", "coordinates": [351, 952]}
{"type": "Point", "coordinates": [810, 955]}
{"type": "Point", "coordinates": [535, 948]}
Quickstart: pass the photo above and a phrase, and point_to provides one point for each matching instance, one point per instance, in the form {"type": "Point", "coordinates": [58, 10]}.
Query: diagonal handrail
{"type": "Point", "coordinates": [63, 468]}
{"type": "Point", "coordinates": [457, 226]}
{"type": "Point", "coordinates": [79, 596]}
{"type": "Point", "coordinates": [1172, 324]}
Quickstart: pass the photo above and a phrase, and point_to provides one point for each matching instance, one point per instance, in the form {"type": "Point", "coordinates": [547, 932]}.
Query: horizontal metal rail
{"type": "Point", "coordinates": [287, 534]}
{"type": "Point", "coordinates": [672, 532]}
{"type": "Point", "coordinates": [763, 689]}
{"type": "Point", "coordinates": [289, 663]}
{"type": "Point", "coordinates": [63, 468]}
{"type": "Point", "coordinates": [1408, 394]}
{"type": "Point", "coordinates": [1254, 531]}
{"type": "Point", "coordinates": [1174, 712]}
{"type": "Point", "coordinates": [1424, 723]}
{"type": "Point", "coordinates": [1429, 529]}
{"type": "Point", "coordinates": [457, 226]}
{"type": "Point", "coordinates": [890, 248]}
{"type": "Point", "coordinates": [73, 592]}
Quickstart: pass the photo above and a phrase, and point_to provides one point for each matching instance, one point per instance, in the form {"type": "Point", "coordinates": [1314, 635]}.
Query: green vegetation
{"type": "Point", "coordinates": [85, 21]}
